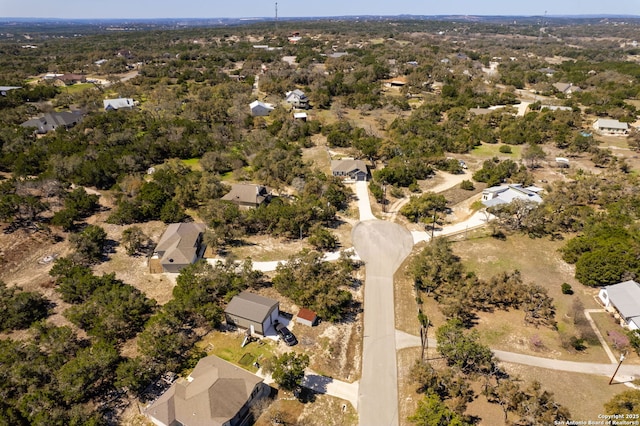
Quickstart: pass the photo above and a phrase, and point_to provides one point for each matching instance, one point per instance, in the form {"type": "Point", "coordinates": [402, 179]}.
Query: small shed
{"type": "Point", "coordinates": [307, 317]}
{"type": "Point", "coordinates": [247, 310]}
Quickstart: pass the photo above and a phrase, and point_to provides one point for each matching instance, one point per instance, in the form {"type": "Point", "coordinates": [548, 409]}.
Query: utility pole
{"type": "Point", "coordinates": [384, 197]}
{"type": "Point", "coordinates": [433, 225]}
{"type": "Point", "coordinates": [276, 16]}
{"type": "Point", "coordinates": [617, 368]}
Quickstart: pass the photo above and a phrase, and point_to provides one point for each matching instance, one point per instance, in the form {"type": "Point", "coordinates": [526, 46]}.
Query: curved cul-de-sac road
{"type": "Point", "coordinates": [382, 246]}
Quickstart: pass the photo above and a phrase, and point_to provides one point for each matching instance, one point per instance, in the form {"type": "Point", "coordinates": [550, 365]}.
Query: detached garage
{"type": "Point", "coordinates": [248, 310]}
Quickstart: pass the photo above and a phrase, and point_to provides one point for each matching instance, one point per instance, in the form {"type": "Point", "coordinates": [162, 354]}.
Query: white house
{"type": "Point", "coordinates": [623, 300]}
{"type": "Point", "coordinates": [297, 98]}
{"type": "Point", "coordinates": [611, 127]}
{"type": "Point", "coordinates": [119, 103]}
{"type": "Point", "coordinates": [505, 194]}
{"type": "Point", "coordinates": [260, 109]}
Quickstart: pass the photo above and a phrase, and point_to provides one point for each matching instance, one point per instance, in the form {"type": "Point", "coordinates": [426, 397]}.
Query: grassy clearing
{"type": "Point", "coordinates": [486, 150]}
{"type": "Point", "coordinates": [318, 155]}
{"type": "Point", "coordinates": [538, 261]}
{"type": "Point", "coordinates": [192, 163]}
{"type": "Point", "coordinates": [78, 87]}
{"type": "Point", "coordinates": [227, 345]}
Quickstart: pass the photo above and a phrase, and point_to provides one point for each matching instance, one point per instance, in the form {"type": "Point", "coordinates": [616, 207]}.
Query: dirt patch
{"type": "Point", "coordinates": [134, 270]}
{"type": "Point", "coordinates": [407, 396]}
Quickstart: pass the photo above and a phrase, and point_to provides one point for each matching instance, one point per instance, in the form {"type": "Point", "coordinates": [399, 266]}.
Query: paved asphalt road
{"type": "Point", "coordinates": [382, 246]}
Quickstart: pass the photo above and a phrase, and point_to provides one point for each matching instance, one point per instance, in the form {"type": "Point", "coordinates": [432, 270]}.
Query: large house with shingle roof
{"type": "Point", "coordinates": [350, 169]}
{"type": "Point", "coordinates": [247, 195]}
{"type": "Point", "coordinates": [180, 245]}
{"type": "Point", "coordinates": [624, 300]}
{"type": "Point", "coordinates": [216, 393]}
{"type": "Point", "coordinates": [53, 120]}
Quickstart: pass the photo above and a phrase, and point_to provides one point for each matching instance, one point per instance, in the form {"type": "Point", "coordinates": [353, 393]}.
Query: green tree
{"type": "Point", "coordinates": [323, 239]}
{"type": "Point", "coordinates": [463, 350]}
{"type": "Point", "coordinates": [533, 154]}
{"type": "Point", "coordinates": [311, 282]}
{"type": "Point", "coordinates": [90, 243]}
{"type": "Point", "coordinates": [19, 309]}
{"type": "Point", "coordinates": [88, 373]}
{"type": "Point", "coordinates": [134, 240]}
{"type": "Point", "coordinates": [627, 402]}
{"type": "Point", "coordinates": [287, 370]}
{"type": "Point", "coordinates": [424, 207]}
{"type": "Point", "coordinates": [433, 412]}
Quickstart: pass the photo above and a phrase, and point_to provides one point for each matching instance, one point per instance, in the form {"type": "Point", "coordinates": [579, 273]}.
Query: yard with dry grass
{"type": "Point", "coordinates": [540, 262]}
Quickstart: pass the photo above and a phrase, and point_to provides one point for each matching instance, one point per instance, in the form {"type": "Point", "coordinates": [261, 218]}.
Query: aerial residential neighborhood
{"type": "Point", "coordinates": [352, 220]}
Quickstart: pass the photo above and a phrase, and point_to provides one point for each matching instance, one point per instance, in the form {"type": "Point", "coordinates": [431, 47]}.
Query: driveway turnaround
{"type": "Point", "coordinates": [382, 246]}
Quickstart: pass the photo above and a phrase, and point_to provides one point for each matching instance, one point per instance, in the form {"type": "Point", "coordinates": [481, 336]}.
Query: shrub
{"type": "Point", "coordinates": [618, 340]}
{"type": "Point", "coordinates": [505, 149]}
{"type": "Point", "coordinates": [467, 185]}
{"type": "Point", "coordinates": [566, 288]}
{"type": "Point", "coordinates": [536, 342]}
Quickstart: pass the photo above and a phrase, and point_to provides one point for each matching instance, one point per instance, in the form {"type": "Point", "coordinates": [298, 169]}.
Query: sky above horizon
{"type": "Point", "coordinates": [76, 9]}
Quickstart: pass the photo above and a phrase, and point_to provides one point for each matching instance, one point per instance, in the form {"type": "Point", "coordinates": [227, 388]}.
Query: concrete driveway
{"type": "Point", "coordinates": [382, 246]}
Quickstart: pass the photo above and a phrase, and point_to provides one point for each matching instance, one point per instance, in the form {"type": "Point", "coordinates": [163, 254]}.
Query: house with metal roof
{"type": "Point", "coordinates": [608, 126]}
{"type": "Point", "coordinates": [180, 245]}
{"type": "Point", "coordinates": [5, 89]}
{"type": "Point", "coordinates": [247, 195]}
{"type": "Point", "coordinates": [53, 120]}
{"type": "Point", "coordinates": [216, 393]}
{"type": "Point", "coordinates": [297, 98]}
{"type": "Point", "coordinates": [260, 109]}
{"type": "Point", "coordinates": [350, 169]}
{"type": "Point", "coordinates": [252, 311]}
{"type": "Point", "coordinates": [623, 299]}
{"type": "Point", "coordinates": [119, 103]}
{"type": "Point", "coordinates": [504, 194]}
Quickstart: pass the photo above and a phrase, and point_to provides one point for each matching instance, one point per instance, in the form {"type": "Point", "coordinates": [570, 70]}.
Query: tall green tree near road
{"type": "Point", "coordinates": [463, 350]}
{"type": "Point", "coordinates": [424, 207]}
{"type": "Point", "coordinates": [433, 412]}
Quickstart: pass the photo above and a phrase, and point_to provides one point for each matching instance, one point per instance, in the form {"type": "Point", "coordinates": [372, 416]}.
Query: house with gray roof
{"type": "Point", "coordinates": [5, 89]}
{"type": "Point", "coordinates": [350, 169]}
{"type": "Point", "coordinates": [260, 109]}
{"type": "Point", "coordinates": [297, 98]}
{"type": "Point", "coordinates": [247, 195]}
{"type": "Point", "coordinates": [53, 120]}
{"type": "Point", "coordinates": [119, 103]}
{"type": "Point", "coordinates": [216, 393]}
{"type": "Point", "coordinates": [252, 311]}
{"type": "Point", "coordinates": [623, 299]}
{"type": "Point", "coordinates": [180, 245]}
{"type": "Point", "coordinates": [504, 194]}
{"type": "Point", "coordinates": [566, 88]}
{"type": "Point", "coordinates": [611, 127]}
